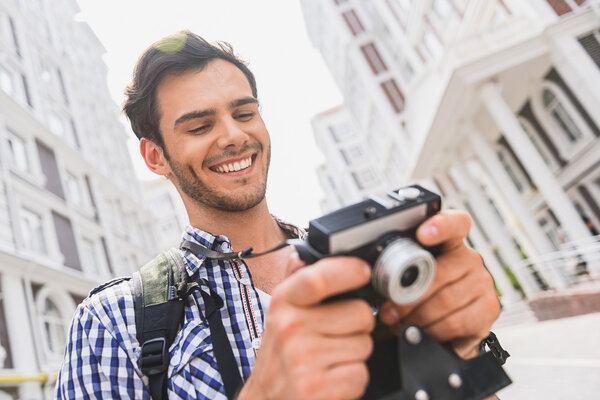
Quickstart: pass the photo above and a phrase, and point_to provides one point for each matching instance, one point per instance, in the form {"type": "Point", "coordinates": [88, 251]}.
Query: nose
{"type": "Point", "coordinates": [232, 134]}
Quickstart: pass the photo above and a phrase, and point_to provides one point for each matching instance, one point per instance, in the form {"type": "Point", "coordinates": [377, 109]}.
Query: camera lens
{"type": "Point", "coordinates": [409, 276]}
{"type": "Point", "coordinates": [403, 271]}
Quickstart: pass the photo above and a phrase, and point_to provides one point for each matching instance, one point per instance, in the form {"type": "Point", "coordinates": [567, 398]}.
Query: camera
{"type": "Point", "coordinates": [381, 231]}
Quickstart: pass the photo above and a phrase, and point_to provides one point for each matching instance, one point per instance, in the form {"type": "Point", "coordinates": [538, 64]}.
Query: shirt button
{"type": "Point", "coordinates": [256, 343]}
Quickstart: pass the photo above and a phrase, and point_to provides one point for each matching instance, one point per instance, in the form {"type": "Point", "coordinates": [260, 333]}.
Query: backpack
{"type": "Point", "coordinates": [160, 289]}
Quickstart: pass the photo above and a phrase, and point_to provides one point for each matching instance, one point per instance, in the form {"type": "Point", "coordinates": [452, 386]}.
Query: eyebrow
{"type": "Point", "coordinates": [211, 111]}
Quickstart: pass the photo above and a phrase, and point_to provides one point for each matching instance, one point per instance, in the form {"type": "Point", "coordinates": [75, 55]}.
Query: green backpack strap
{"type": "Point", "coordinates": [159, 311]}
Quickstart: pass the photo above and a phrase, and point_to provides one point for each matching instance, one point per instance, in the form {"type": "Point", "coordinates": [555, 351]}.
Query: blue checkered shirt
{"type": "Point", "coordinates": [102, 349]}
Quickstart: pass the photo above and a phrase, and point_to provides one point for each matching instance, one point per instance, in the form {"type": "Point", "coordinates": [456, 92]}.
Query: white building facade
{"type": "Point", "coordinates": [494, 103]}
{"type": "Point", "coordinates": [70, 205]}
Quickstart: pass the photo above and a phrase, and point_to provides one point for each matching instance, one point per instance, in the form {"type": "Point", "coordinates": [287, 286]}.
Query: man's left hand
{"type": "Point", "coordinates": [461, 305]}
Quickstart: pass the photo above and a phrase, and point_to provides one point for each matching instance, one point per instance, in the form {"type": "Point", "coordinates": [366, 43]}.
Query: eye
{"type": "Point", "coordinates": [244, 116]}
{"type": "Point", "coordinates": [199, 129]}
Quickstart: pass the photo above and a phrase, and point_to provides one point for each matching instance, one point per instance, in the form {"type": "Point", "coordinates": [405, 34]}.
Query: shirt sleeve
{"type": "Point", "coordinates": [96, 364]}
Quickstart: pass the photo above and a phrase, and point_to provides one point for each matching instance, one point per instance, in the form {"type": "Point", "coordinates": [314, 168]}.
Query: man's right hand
{"type": "Point", "coordinates": [312, 350]}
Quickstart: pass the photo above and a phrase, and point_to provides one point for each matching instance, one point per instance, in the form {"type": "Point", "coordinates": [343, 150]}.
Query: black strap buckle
{"type": "Point", "coordinates": [154, 357]}
{"type": "Point", "coordinates": [494, 346]}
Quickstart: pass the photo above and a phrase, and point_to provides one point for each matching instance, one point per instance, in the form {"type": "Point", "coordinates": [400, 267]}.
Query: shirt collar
{"type": "Point", "coordinates": [222, 243]}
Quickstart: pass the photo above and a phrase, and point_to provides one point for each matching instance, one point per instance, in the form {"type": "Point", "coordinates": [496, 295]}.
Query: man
{"type": "Point", "coordinates": [194, 107]}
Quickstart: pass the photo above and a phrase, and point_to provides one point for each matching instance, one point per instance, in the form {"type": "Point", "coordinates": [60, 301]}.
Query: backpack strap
{"type": "Point", "coordinates": [160, 288]}
{"type": "Point", "coordinates": [158, 315]}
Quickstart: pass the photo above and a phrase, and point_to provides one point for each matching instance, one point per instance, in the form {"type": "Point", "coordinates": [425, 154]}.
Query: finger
{"type": "Point", "coordinates": [471, 321]}
{"type": "Point", "coordinates": [345, 381]}
{"type": "Point", "coordinates": [343, 317]}
{"type": "Point", "coordinates": [323, 279]}
{"type": "Point", "coordinates": [451, 267]}
{"type": "Point", "coordinates": [450, 298]}
{"type": "Point", "coordinates": [328, 352]}
{"type": "Point", "coordinates": [448, 228]}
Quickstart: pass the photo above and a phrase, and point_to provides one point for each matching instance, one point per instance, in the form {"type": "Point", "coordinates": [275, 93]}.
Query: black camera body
{"type": "Point", "coordinates": [405, 363]}
{"type": "Point", "coordinates": [381, 231]}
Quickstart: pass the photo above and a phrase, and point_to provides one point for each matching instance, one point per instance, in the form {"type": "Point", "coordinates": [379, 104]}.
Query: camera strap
{"type": "Point", "coordinates": [217, 255]}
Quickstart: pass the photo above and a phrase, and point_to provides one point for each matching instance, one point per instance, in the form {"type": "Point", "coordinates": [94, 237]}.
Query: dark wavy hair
{"type": "Point", "coordinates": [173, 55]}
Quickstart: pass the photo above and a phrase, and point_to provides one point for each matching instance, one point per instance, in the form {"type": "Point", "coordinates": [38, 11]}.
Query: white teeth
{"type": "Point", "coordinates": [237, 166]}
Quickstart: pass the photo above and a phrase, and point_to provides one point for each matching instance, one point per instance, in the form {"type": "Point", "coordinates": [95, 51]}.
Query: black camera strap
{"type": "Point", "coordinates": [217, 255]}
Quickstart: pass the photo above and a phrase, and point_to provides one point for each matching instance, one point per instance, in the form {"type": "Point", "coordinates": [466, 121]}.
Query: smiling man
{"type": "Point", "coordinates": [194, 107]}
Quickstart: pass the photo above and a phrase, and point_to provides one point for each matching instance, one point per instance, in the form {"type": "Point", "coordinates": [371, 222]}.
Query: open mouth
{"type": "Point", "coordinates": [234, 166]}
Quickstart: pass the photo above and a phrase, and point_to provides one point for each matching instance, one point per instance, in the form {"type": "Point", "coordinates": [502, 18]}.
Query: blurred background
{"type": "Point", "coordinates": [491, 103]}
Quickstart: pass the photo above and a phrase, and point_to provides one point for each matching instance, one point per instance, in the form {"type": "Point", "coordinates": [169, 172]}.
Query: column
{"type": "Point", "coordinates": [490, 163]}
{"type": "Point", "coordinates": [509, 294]}
{"type": "Point", "coordinates": [494, 229]}
{"type": "Point", "coordinates": [549, 187]}
{"type": "Point", "coordinates": [19, 332]}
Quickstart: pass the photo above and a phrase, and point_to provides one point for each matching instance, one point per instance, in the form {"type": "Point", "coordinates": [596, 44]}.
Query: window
{"type": "Point", "coordinates": [54, 328]}
{"type": "Point", "coordinates": [66, 241]}
{"type": "Point", "coordinates": [342, 132]}
{"type": "Point", "coordinates": [18, 152]}
{"type": "Point", "coordinates": [353, 22]}
{"type": "Point", "coordinates": [74, 193]}
{"type": "Point", "coordinates": [6, 82]}
{"type": "Point", "coordinates": [373, 58]}
{"type": "Point", "coordinates": [26, 90]}
{"type": "Point", "coordinates": [562, 7]}
{"type": "Point", "coordinates": [33, 232]}
{"type": "Point", "coordinates": [394, 95]}
{"type": "Point", "coordinates": [50, 169]}
{"type": "Point", "coordinates": [591, 44]}
{"type": "Point", "coordinates": [14, 36]}
{"type": "Point", "coordinates": [56, 125]}
{"type": "Point", "coordinates": [89, 255]}
{"type": "Point", "coordinates": [560, 116]}
{"type": "Point", "coordinates": [353, 155]}
{"type": "Point", "coordinates": [365, 178]}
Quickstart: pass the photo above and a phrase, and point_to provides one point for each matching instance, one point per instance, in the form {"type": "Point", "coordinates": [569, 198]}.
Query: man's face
{"type": "Point", "coordinates": [217, 145]}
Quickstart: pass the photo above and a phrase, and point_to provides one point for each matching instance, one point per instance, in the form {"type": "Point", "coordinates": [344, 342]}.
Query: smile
{"type": "Point", "coordinates": [234, 166]}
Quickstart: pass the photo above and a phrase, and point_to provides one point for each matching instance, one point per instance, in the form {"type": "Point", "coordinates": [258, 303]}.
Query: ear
{"type": "Point", "coordinates": [154, 157]}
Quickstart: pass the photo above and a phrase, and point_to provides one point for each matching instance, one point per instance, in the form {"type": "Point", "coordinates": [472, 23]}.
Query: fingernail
{"type": "Point", "coordinates": [430, 231]}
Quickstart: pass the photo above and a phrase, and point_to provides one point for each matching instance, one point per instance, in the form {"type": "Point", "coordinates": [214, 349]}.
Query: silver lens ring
{"type": "Point", "coordinates": [404, 271]}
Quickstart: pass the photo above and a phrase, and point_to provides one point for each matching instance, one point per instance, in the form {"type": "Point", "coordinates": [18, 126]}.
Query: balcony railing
{"type": "Point", "coordinates": [576, 264]}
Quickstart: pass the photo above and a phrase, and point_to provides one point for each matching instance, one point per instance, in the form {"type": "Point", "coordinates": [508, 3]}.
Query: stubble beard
{"type": "Point", "coordinates": [205, 196]}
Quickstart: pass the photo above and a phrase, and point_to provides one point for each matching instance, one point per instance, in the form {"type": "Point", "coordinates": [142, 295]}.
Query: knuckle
{"type": "Point", "coordinates": [309, 386]}
{"type": "Point", "coordinates": [453, 327]}
{"type": "Point", "coordinates": [364, 314]}
{"type": "Point", "coordinates": [316, 282]}
{"type": "Point", "coordinates": [366, 345]}
{"type": "Point", "coordinates": [361, 377]}
{"type": "Point", "coordinates": [286, 326]}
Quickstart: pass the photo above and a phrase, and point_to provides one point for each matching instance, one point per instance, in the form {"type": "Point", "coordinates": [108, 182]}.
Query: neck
{"type": "Point", "coordinates": [254, 228]}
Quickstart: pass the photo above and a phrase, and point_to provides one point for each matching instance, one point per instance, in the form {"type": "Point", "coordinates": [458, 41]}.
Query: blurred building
{"type": "Point", "coordinates": [167, 210]}
{"type": "Point", "coordinates": [71, 214]}
{"type": "Point", "coordinates": [495, 103]}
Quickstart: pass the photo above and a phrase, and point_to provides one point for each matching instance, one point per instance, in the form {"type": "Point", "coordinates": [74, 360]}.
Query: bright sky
{"type": "Point", "coordinates": [293, 82]}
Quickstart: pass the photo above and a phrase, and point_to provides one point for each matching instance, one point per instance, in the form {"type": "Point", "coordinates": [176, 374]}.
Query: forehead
{"type": "Point", "coordinates": [219, 82]}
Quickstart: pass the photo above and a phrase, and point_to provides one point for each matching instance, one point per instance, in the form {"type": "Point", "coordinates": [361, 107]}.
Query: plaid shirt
{"type": "Point", "coordinates": [102, 349]}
